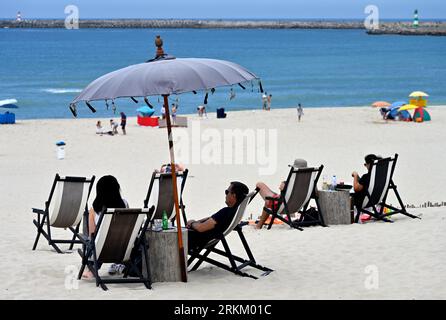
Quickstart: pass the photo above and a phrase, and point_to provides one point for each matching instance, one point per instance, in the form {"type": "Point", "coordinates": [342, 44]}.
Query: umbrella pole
{"type": "Point", "coordinates": [175, 193]}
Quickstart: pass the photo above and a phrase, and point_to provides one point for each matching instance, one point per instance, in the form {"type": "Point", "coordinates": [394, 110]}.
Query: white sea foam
{"type": "Point", "coordinates": [62, 90]}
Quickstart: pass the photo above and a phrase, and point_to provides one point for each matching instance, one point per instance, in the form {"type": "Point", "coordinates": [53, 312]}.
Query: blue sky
{"type": "Point", "coordinates": [225, 9]}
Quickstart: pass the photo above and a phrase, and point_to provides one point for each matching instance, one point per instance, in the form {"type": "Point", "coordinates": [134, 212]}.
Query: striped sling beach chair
{"type": "Point", "coordinates": [160, 194]}
{"type": "Point", "coordinates": [66, 205]}
{"type": "Point", "coordinates": [236, 263]}
{"type": "Point", "coordinates": [119, 238]}
{"type": "Point", "coordinates": [381, 182]}
{"type": "Point", "coordinates": [300, 188]}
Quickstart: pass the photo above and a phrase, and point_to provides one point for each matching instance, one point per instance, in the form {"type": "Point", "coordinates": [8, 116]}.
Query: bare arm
{"type": "Point", "coordinates": [356, 185]}
{"type": "Point", "coordinates": [203, 226]}
{"type": "Point", "coordinates": [91, 222]}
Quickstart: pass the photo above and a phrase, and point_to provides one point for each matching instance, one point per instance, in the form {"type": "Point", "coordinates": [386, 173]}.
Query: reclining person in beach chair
{"type": "Point", "coordinates": [206, 233]}
{"type": "Point", "coordinates": [295, 195]}
{"type": "Point", "coordinates": [373, 187]}
{"type": "Point", "coordinates": [160, 192]}
{"type": "Point", "coordinates": [119, 238]}
{"type": "Point", "coordinates": [66, 205]}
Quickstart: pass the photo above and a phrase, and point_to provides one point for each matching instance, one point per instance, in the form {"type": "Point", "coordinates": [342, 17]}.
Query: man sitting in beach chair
{"type": "Point", "coordinates": [160, 192]}
{"type": "Point", "coordinates": [206, 233]}
{"type": "Point", "coordinates": [294, 198]}
{"type": "Point", "coordinates": [66, 205]}
{"type": "Point", "coordinates": [371, 189]}
{"type": "Point", "coordinates": [119, 238]}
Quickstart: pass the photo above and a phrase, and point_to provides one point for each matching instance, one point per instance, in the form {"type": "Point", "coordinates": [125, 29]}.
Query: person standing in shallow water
{"type": "Point", "coordinates": [268, 100]}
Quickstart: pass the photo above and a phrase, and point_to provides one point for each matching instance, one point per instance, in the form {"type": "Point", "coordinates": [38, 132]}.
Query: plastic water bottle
{"type": "Point", "coordinates": [165, 221]}
{"type": "Point", "coordinates": [333, 182]}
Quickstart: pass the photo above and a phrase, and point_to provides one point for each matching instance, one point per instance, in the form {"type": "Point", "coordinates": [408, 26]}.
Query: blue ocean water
{"type": "Point", "coordinates": [44, 69]}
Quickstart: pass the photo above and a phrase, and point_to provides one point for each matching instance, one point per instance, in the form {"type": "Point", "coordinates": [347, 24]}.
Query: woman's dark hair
{"type": "Point", "coordinates": [240, 190]}
{"type": "Point", "coordinates": [107, 194]}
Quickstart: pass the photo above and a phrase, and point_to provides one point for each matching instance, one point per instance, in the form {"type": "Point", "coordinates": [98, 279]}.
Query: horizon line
{"type": "Point", "coordinates": [274, 19]}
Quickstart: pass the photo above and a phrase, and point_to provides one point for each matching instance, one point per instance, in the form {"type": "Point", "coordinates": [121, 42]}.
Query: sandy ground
{"type": "Point", "coordinates": [403, 260]}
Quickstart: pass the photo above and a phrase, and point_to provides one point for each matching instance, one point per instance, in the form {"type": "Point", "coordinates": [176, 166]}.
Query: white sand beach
{"type": "Point", "coordinates": [318, 263]}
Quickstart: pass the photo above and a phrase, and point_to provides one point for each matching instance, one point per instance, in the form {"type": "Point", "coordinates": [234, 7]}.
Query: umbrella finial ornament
{"type": "Point", "coordinates": [159, 47]}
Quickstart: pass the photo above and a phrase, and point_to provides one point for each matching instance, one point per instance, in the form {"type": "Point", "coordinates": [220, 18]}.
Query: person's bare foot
{"type": "Point", "coordinates": [87, 275]}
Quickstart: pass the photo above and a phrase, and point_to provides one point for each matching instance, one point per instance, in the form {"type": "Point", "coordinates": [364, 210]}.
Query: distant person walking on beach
{"type": "Point", "coordinates": [268, 100]}
{"type": "Point", "coordinates": [264, 101]}
{"type": "Point", "coordinates": [123, 122]}
{"type": "Point", "coordinates": [300, 112]}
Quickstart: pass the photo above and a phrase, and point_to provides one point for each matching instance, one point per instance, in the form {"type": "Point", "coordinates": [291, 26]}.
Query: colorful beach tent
{"type": "Point", "coordinates": [402, 115]}
{"type": "Point", "coordinates": [145, 111]}
{"type": "Point", "coordinates": [421, 115]}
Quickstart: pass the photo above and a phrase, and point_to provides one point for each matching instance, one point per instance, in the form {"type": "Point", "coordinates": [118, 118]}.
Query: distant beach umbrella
{"type": "Point", "coordinates": [417, 94]}
{"type": "Point", "coordinates": [408, 107]}
{"type": "Point", "coordinates": [165, 75]}
{"type": "Point", "coordinates": [380, 104]}
{"type": "Point", "coordinates": [8, 104]}
{"type": "Point", "coordinates": [396, 104]}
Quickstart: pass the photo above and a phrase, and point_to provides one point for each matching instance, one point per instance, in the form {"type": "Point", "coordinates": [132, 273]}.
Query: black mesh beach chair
{"type": "Point", "coordinates": [65, 207]}
{"type": "Point", "coordinates": [119, 238]}
{"type": "Point", "coordinates": [300, 188]}
{"type": "Point", "coordinates": [236, 263]}
{"type": "Point", "coordinates": [381, 182]}
{"type": "Point", "coordinates": [160, 194]}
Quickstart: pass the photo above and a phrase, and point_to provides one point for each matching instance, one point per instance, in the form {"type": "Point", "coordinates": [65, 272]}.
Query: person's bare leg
{"type": "Point", "coordinates": [264, 192]}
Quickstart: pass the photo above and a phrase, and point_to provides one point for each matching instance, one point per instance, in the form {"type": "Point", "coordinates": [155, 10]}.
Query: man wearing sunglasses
{"type": "Point", "coordinates": [206, 229]}
{"type": "Point", "coordinates": [360, 185]}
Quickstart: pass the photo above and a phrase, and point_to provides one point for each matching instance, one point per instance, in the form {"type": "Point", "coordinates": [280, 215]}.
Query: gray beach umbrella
{"type": "Point", "coordinates": [165, 75]}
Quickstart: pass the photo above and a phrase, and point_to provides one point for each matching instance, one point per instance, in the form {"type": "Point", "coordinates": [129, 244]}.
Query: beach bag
{"type": "Point", "coordinates": [312, 217]}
